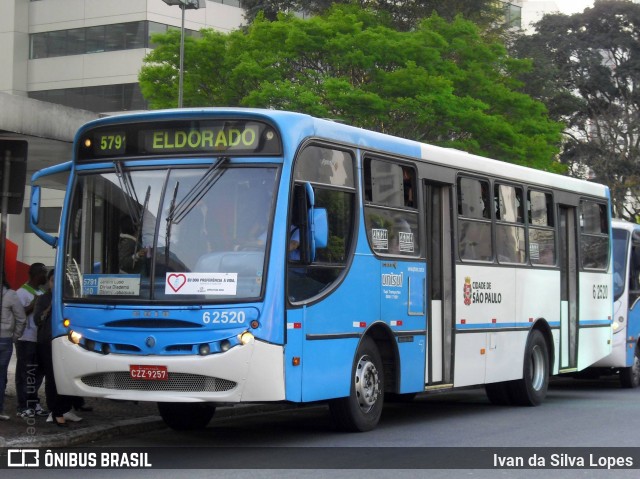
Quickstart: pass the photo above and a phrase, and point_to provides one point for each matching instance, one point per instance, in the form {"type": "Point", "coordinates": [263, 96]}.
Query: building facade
{"type": "Point", "coordinates": [86, 54]}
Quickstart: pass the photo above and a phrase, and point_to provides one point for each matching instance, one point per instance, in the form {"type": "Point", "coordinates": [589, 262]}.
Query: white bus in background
{"type": "Point", "coordinates": [625, 357]}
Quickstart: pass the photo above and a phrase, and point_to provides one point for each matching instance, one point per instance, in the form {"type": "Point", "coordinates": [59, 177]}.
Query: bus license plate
{"type": "Point", "coordinates": [150, 373]}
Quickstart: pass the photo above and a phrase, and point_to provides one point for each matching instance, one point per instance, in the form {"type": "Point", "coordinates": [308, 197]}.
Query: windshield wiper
{"type": "Point", "coordinates": [145, 205]}
{"type": "Point", "coordinates": [178, 212]}
{"type": "Point", "coordinates": [130, 196]}
{"type": "Point", "coordinates": [134, 208]}
{"type": "Point", "coordinates": [197, 192]}
{"type": "Point", "coordinates": [167, 235]}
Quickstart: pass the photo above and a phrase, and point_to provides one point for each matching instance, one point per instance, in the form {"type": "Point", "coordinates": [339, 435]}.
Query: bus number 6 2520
{"type": "Point", "coordinates": [223, 317]}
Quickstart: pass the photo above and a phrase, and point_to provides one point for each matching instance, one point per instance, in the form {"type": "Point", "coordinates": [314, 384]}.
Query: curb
{"type": "Point", "coordinates": [87, 434]}
{"type": "Point", "coordinates": [128, 427]}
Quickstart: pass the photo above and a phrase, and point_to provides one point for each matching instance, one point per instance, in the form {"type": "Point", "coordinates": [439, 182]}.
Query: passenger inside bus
{"type": "Point", "coordinates": [132, 258]}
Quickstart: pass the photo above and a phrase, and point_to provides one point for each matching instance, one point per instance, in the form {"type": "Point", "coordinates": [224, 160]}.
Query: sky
{"type": "Point", "coordinates": [533, 10]}
{"type": "Point", "coordinates": [573, 6]}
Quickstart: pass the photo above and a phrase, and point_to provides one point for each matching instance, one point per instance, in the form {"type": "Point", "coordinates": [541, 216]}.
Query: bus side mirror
{"type": "Point", "coordinates": [35, 205]}
{"type": "Point", "coordinates": [34, 218]}
{"type": "Point", "coordinates": [54, 177]}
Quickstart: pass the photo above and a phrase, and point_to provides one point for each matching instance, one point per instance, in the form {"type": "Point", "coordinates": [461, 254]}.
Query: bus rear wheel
{"type": "Point", "coordinates": [361, 410]}
{"type": "Point", "coordinates": [532, 388]}
{"type": "Point", "coordinates": [186, 416]}
{"type": "Point", "coordinates": [630, 377]}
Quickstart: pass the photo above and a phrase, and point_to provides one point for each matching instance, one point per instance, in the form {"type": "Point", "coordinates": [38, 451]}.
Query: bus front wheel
{"type": "Point", "coordinates": [361, 410]}
{"type": "Point", "coordinates": [532, 388]}
{"type": "Point", "coordinates": [186, 416]}
{"type": "Point", "coordinates": [630, 377]}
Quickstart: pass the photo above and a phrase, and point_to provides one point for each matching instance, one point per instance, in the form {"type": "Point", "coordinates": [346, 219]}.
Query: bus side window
{"type": "Point", "coordinates": [331, 173]}
{"type": "Point", "coordinates": [542, 234]}
{"type": "Point", "coordinates": [510, 233]}
{"type": "Point", "coordinates": [474, 220]}
{"type": "Point", "coordinates": [594, 237]}
{"type": "Point", "coordinates": [391, 213]}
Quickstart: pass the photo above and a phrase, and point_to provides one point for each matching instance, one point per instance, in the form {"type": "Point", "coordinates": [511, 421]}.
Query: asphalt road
{"type": "Point", "coordinates": [586, 415]}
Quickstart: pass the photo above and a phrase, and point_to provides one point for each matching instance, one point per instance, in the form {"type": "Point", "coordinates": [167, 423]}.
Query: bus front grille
{"type": "Point", "coordinates": [181, 382]}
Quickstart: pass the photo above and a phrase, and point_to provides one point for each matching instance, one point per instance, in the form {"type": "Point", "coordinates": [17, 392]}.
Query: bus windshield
{"type": "Point", "coordinates": [620, 242]}
{"type": "Point", "coordinates": [197, 234]}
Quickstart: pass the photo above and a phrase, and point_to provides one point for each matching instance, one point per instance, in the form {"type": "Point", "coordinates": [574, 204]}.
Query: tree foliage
{"type": "Point", "coordinates": [442, 83]}
{"type": "Point", "coordinates": [403, 15]}
{"type": "Point", "coordinates": [587, 70]}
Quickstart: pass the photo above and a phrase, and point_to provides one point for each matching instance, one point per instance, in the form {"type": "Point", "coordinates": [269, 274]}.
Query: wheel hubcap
{"type": "Point", "coordinates": [537, 368]}
{"type": "Point", "coordinates": [367, 383]}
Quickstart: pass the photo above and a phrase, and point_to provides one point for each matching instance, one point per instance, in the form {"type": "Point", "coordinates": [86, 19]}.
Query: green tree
{"type": "Point", "coordinates": [441, 83]}
{"type": "Point", "coordinates": [587, 70]}
{"type": "Point", "coordinates": [403, 15]}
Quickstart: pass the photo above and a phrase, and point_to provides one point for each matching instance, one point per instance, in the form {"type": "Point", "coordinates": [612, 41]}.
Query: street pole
{"type": "Point", "coordinates": [184, 5]}
{"type": "Point", "coordinates": [181, 71]}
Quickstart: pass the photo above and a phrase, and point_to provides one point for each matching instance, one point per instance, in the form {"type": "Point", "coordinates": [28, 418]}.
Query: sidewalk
{"type": "Point", "coordinates": [108, 419]}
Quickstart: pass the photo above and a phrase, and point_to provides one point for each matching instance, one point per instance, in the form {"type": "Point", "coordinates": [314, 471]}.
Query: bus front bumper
{"type": "Point", "coordinates": [253, 372]}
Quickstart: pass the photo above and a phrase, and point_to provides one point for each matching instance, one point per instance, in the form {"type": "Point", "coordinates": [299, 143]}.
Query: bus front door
{"type": "Point", "coordinates": [438, 371]}
{"type": "Point", "coordinates": [568, 259]}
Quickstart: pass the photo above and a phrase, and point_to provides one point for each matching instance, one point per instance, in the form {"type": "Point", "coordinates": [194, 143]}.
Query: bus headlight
{"type": "Point", "coordinates": [74, 337]}
{"type": "Point", "coordinates": [615, 325]}
{"type": "Point", "coordinates": [246, 337]}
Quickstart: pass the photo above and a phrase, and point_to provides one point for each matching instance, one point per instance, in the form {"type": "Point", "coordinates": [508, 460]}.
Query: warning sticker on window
{"type": "Point", "coordinates": [201, 283]}
{"type": "Point", "coordinates": [380, 238]}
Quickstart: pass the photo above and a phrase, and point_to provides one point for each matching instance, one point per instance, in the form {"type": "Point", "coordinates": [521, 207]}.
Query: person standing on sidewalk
{"type": "Point", "coordinates": [29, 374]}
{"type": "Point", "coordinates": [58, 404]}
{"type": "Point", "coordinates": [12, 323]}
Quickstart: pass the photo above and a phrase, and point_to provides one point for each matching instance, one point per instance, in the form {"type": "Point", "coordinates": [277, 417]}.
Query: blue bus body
{"type": "Point", "coordinates": [208, 323]}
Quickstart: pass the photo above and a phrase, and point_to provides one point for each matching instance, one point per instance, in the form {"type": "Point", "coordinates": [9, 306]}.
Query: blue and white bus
{"type": "Point", "coordinates": [211, 256]}
{"type": "Point", "coordinates": [624, 360]}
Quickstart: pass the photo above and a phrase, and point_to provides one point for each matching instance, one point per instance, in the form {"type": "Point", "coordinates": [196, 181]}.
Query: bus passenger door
{"type": "Point", "coordinates": [568, 289]}
{"type": "Point", "coordinates": [439, 365]}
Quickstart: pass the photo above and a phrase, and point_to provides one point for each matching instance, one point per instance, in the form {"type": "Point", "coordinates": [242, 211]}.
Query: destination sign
{"type": "Point", "coordinates": [205, 139]}
{"type": "Point", "coordinates": [169, 138]}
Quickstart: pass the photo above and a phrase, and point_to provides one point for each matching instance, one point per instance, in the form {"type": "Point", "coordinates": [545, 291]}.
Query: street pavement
{"type": "Point", "coordinates": [108, 419]}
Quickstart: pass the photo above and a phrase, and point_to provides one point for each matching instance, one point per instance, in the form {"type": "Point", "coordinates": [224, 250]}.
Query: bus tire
{"type": "Point", "coordinates": [189, 416]}
{"type": "Point", "coordinates": [498, 393]}
{"type": "Point", "coordinates": [532, 388]}
{"type": "Point", "coordinates": [361, 410]}
{"type": "Point", "coordinates": [630, 377]}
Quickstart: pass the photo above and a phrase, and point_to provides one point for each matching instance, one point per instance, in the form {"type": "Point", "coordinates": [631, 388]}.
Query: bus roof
{"type": "Point", "coordinates": [309, 127]}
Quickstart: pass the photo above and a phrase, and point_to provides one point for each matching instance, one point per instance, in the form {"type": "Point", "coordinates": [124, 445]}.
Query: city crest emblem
{"type": "Point", "coordinates": [467, 291]}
